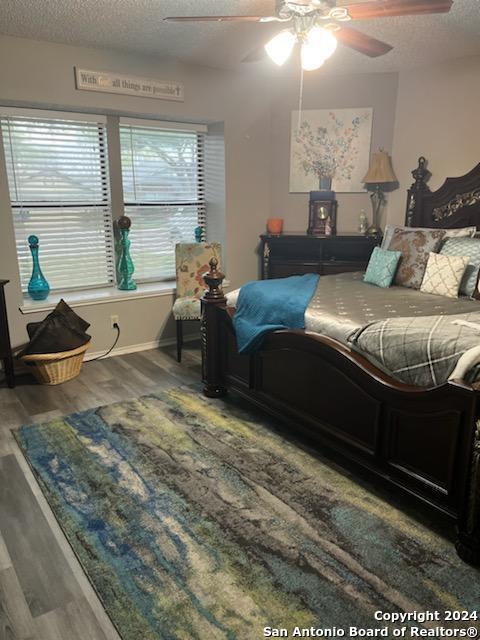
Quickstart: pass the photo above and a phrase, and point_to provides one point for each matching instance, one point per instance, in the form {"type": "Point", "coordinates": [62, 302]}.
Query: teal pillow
{"type": "Point", "coordinates": [381, 267]}
{"type": "Point", "coordinates": [470, 248]}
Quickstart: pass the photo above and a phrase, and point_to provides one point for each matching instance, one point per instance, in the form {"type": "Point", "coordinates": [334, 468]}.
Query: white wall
{"type": "Point", "coordinates": [437, 116]}
{"type": "Point", "coordinates": [377, 90]}
{"type": "Point", "coordinates": [426, 111]}
{"type": "Point", "coordinates": [41, 74]}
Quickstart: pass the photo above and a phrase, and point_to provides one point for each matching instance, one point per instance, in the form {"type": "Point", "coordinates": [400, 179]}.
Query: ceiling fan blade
{"type": "Point", "coordinates": [255, 55]}
{"type": "Point", "coordinates": [390, 8]}
{"type": "Point", "coordinates": [220, 19]}
{"type": "Point", "coordinates": [361, 42]}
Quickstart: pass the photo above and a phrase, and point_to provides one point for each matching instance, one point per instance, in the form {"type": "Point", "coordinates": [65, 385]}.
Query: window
{"type": "Point", "coordinates": [59, 184]}
{"type": "Point", "coordinates": [59, 190]}
{"type": "Point", "coordinates": [164, 194]}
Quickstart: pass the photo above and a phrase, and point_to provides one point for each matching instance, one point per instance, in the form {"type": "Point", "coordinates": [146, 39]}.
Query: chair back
{"type": "Point", "coordinates": [191, 262]}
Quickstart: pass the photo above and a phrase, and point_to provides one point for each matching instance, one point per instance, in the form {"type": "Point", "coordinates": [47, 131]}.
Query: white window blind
{"type": "Point", "coordinates": [59, 190]}
{"type": "Point", "coordinates": [164, 194]}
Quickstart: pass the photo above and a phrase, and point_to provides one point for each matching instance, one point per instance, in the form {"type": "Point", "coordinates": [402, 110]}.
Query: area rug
{"type": "Point", "coordinates": [193, 521]}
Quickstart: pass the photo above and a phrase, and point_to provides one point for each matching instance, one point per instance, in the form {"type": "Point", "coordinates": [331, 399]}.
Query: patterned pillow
{"type": "Point", "coordinates": [444, 274]}
{"type": "Point", "coordinates": [469, 247]}
{"type": "Point", "coordinates": [381, 267]}
{"type": "Point", "coordinates": [415, 245]}
{"type": "Point", "coordinates": [463, 232]}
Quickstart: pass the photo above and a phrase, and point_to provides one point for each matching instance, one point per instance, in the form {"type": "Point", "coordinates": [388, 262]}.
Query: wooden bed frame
{"type": "Point", "coordinates": [424, 441]}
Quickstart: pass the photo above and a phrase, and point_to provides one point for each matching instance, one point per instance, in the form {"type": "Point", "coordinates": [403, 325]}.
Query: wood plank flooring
{"type": "Point", "coordinates": [44, 594]}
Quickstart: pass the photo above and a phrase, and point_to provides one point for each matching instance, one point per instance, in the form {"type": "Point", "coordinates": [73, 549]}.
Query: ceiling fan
{"type": "Point", "coordinates": [317, 25]}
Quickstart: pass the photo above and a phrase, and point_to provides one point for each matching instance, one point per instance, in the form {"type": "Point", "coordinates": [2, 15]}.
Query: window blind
{"type": "Point", "coordinates": [164, 194]}
{"type": "Point", "coordinates": [59, 191]}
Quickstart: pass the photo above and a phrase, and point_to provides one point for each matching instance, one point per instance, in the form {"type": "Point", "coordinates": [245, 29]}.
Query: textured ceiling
{"type": "Point", "coordinates": [136, 25]}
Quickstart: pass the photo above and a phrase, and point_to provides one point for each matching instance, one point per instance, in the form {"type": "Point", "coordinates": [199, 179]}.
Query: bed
{"type": "Point", "coordinates": [423, 440]}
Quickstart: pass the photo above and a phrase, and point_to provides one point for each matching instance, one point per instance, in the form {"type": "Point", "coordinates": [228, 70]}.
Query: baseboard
{"type": "Point", "coordinates": [143, 346]}
{"type": "Point", "coordinates": [119, 351]}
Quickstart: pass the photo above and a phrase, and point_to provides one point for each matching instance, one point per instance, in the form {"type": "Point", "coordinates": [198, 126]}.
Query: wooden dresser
{"type": "Point", "coordinates": [298, 253]}
{"type": "Point", "coordinates": [5, 348]}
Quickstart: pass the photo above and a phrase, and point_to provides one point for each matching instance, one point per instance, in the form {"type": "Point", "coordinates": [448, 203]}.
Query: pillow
{"type": "Point", "coordinates": [415, 245]}
{"type": "Point", "coordinates": [54, 335]}
{"type": "Point", "coordinates": [61, 330]}
{"type": "Point", "coordinates": [467, 232]}
{"type": "Point", "coordinates": [232, 297]}
{"type": "Point", "coordinates": [381, 267]}
{"type": "Point", "coordinates": [469, 247]}
{"type": "Point", "coordinates": [74, 320]}
{"type": "Point", "coordinates": [444, 274]}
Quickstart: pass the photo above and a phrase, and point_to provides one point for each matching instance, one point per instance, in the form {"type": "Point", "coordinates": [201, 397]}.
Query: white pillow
{"type": "Point", "coordinates": [232, 297]}
{"type": "Point", "coordinates": [444, 274]}
{"type": "Point", "coordinates": [464, 232]}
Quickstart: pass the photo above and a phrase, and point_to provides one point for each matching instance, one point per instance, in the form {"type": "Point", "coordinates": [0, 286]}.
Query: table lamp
{"type": "Point", "coordinates": [379, 178]}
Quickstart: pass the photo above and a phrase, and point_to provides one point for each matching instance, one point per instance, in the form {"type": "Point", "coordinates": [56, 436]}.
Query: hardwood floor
{"type": "Point", "coordinates": [44, 594]}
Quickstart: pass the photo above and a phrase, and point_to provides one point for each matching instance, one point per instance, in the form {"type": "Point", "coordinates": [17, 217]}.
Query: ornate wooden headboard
{"type": "Point", "coordinates": [455, 204]}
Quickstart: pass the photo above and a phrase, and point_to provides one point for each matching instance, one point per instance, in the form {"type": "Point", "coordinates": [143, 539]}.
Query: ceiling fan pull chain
{"type": "Point", "coordinates": [300, 100]}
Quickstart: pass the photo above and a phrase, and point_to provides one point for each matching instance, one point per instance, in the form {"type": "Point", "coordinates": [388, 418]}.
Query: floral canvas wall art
{"type": "Point", "coordinates": [332, 143]}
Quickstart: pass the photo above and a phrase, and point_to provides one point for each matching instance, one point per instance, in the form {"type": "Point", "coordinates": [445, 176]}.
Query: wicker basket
{"type": "Point", "coordinates": [55, 368]}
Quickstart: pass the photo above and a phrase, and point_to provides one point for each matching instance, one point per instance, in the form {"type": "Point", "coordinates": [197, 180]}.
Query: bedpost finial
{"type": "Point", "coordinates": [421, 174]}
{"type": "Point", "coordinates": [213, 280]}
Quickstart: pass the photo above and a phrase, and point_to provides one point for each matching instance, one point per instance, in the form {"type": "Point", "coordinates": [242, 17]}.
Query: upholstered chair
{"type": "Point", "coordinates": [191, 262]}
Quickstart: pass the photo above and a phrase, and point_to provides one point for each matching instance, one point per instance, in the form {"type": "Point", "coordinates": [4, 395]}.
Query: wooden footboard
{"type": "Point", "coordinates": [420, 440]}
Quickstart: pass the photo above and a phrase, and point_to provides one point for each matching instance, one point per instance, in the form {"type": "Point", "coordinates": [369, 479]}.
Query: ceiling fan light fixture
{"type": "Point", "coordinates": [280, 46]}
{"type": "Point", "coordinates": [319, 44]}
{"type": "Point", "coordinates": [310, 58]}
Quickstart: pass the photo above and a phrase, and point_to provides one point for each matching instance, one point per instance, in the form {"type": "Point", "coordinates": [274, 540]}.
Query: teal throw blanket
{"type": "Point", "coordinates": [269, 305]}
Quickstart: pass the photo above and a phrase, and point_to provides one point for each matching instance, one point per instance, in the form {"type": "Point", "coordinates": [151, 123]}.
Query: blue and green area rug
{"type": "Point", "coordinates": [194, 521]}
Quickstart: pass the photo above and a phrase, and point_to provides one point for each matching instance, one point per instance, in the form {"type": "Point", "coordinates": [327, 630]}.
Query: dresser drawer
{"type": "Point", "coordinates": [348, 251]}
{"type": "Point", "coordinates": [282, 269]}
{"type": "Point", "coordinates": [296, 254]}
{"type": "Point", "coordinates": [337, 266]}
{"type": "Point", "coordinates": [285, 249]}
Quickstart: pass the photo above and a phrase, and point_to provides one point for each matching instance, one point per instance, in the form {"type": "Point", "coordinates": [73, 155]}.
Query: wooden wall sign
{"type": "Point", "coordinates": [108, 82]}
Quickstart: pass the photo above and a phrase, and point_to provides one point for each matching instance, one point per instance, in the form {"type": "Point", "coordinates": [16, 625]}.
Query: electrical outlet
{"type": "Point", "coordinates": [113, 321]}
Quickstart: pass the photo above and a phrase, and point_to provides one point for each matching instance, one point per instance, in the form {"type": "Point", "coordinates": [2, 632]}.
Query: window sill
{"type": "Point", "coordinates": [100, 296]}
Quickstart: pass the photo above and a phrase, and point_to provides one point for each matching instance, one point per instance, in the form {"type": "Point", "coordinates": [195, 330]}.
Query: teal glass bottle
{"type": "Point", "coordinates": [125, 263]}
{"type": "Point", "coordinates": [38, 287]}
{"type": "Point", "coordinates": [198, 234]}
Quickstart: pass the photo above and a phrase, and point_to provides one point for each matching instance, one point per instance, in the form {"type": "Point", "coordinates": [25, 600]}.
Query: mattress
{"type": "Point", "coordinates": [343, 303]}
{"type": "Point", "coordinates": [402, 331]}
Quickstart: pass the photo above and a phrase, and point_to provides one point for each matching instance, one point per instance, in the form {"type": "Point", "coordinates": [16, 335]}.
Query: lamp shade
{"type": "Point", "coordinates": [380, 170]}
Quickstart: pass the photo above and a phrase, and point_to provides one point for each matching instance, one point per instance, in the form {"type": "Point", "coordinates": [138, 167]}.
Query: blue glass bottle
{"type": "Point", "coordinates": [125, 263]}
{"type": "Point", "coordinates": [38, 287]}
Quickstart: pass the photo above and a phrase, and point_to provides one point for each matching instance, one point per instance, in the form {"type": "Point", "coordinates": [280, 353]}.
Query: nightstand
{"type": "Point", "coordinates": [298, 253]}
